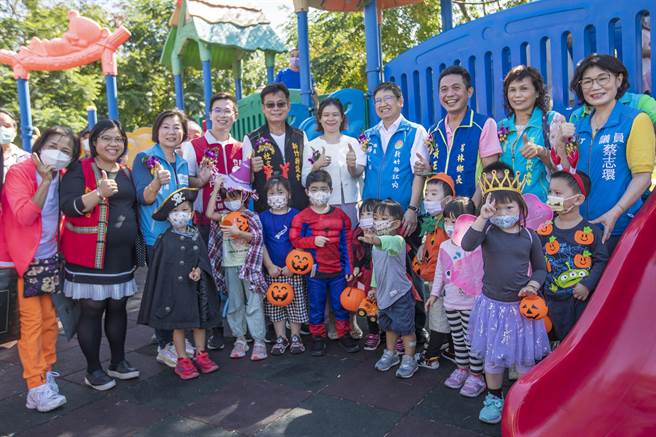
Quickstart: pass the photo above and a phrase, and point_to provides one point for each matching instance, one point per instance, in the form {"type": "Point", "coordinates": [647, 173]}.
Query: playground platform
{"type": "Point", "coordinates": [338, 395]}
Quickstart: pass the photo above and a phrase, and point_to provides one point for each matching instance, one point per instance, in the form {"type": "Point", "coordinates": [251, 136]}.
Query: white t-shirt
{"type": "Point", "coordinates": [346, 188]}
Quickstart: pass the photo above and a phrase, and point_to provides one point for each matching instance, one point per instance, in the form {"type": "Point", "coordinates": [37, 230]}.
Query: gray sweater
{"type": "Point", "coordinates": [507, 258]}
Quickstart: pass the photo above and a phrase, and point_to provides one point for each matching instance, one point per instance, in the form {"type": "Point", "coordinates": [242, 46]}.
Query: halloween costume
{"type": "Point", "coordinates": [172, 300]}
{"type": "Point", "coordinates": [573, 256]}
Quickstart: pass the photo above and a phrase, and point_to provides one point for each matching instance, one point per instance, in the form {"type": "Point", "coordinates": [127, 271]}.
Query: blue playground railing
{"type": "Point", "coordinates": [536, 34]}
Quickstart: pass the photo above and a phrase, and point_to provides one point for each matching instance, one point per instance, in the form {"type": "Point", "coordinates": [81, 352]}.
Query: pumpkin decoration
{"type": "Point", "coordinates": [237, 218]}
{"type": "Point", "coordinates": [585, 236]}
{"type": "Point", "coordinates": [351, 298]}
{"type": "Point", "coordinates": [533, 307]}
{"type": "Point", "coordinates": [552, 247]}
{"type": "Point", "coordinates": [299, 262]}
{"type": "Point", "coordinates": [583, 260]}
{"type": "Point", "coordinates": [548, 324]}
{"type": "Point", "coordinates": [280, 294]}
{"type": "Point", "coordinates": [369, 309]}
{"type": "Point", "coordinates": [416, 266]}
{"type": "Point", "coordinates": [546, 229]}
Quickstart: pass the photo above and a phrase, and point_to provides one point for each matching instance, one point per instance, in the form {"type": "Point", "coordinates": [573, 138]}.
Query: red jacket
{"type": "Point", "coordinates": [21, 217]}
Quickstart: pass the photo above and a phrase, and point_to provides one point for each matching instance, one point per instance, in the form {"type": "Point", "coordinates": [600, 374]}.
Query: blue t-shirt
{"type": "Point", "coordinates": [276, 234]}
{"type": "Point", "coordinates": [291, 78]}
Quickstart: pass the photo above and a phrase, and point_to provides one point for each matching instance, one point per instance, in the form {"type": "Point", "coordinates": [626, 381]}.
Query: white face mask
{"type": "Point", "coordinates": [55, 158]}
{"type": "Point", "coordinates": [179, 219]}
{"type": "Point", "coordinates": [233, 205]}
{"type": "Point", "coordinates": [319, 198]}
{"type": "Point", "coordinates": [7, 135]}
{"type": "Point", "coordinates": [366, 222]}
{"type": "Point", "coordinates": [277, 201]}
{"type": "Point", "coordinates": [382, 226]}
{"type": "Point", "coordinates": [433, 207]}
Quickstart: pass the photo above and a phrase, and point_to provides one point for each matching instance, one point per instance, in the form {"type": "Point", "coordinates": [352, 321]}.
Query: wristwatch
{"type": "Point", "coordinates": [412, 208]}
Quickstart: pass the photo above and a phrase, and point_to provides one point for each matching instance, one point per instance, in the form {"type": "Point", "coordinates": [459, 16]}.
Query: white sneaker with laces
{"type": "Point", "coordinates": [167, 355]}
{"type": "Point", "coordinates": [50, 380]}
{"type": "Point", "coordinates": [189, 348]}
{"type": "Point", "coordinates": [43, 399]}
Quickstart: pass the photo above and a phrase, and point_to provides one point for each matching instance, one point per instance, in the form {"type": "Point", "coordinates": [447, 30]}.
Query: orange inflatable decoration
{"type": "Point", "coordinates": [83, 43]}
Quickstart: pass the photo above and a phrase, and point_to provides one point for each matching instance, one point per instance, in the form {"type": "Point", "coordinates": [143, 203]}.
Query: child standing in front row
{"type": "Point", "coordinates": [576, 257]}
{"type": "Point", "coordinates": [180, 292]}
{"type": "Point", "coordinates": [276, 224]}
{"type": "Point", "coordinates": [498, 333]}
{"type": "Point", "coordinates": [326, 232]}
{"type": "Point", "coordinates": [236, 257]}
{"type": "Point", "coordinates": [393, 290]}
{"type": "Point", "coordinates": [458, 278]}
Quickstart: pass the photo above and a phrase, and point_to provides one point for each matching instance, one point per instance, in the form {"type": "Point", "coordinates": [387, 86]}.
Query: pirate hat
{"type": "Point", "coordinates": [174, 199]}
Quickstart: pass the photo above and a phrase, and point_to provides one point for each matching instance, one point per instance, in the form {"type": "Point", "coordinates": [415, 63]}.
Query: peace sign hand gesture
{"type": "Point", "coordinates": [488, 209]}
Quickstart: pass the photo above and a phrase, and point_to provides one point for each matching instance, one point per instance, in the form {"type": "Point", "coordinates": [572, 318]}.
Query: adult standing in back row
{"type": "Point", "coordinates": [276, 148]}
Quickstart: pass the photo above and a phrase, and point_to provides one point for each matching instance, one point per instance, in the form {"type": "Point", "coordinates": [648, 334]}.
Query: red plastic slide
{"type": "Point", "coordinates": [600, 381]}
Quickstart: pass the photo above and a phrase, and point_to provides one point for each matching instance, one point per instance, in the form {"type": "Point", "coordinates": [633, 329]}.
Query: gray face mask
{"type": "Point", "coordinates": [7, 135]}
{"type": "Point", "coordinates": [504, 221]}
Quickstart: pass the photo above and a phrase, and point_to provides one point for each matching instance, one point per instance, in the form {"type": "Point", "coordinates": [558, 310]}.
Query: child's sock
{"type": "Point", "coordinates": [496, 392]}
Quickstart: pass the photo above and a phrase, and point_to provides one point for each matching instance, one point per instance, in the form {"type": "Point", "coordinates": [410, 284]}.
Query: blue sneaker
{"type": "Point", "coordinates": [491, 411]}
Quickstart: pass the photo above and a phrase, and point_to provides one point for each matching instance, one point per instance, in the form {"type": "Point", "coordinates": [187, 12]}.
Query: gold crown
{"type": "Point", "coordinates": [507, 183]}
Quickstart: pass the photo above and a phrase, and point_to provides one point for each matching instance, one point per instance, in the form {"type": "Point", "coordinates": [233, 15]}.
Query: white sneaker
{"type": "Point", "coordinates": [189, 348]}
{"type": "Point", "coordinates": [167, 355]}
{"type": "Point", "coordinates": [43, 399]}
{"type": "Point", "coordinates": [50, 380]}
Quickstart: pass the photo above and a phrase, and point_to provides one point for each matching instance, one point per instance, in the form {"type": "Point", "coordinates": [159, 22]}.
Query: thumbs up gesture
{"type": "Point", "coordinates": [530, 150]}
{"type": "Point", "coordinates": [107, 187]}
{"type": "Point", "coordinates": [421, 166]}
{"type": "Point", "coordinates": [163, 176]}
{"type": "Point", "coordinates": [350, 157]}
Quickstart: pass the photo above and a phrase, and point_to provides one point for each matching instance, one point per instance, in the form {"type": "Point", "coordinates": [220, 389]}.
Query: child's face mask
{"type": "Point", "coordinates": [277, 201]}
{"type": "Point", "coordinates": [557, 203]}
{"type": "Point", "coordinates": [179, 219]}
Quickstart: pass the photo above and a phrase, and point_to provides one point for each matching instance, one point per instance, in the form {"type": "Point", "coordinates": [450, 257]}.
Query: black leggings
{"type": "Point", "coordinates": [89, 331]}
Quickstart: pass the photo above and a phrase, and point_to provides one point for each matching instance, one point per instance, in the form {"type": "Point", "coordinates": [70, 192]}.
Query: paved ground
{"type": "Point", "coordinates": [338, 395]}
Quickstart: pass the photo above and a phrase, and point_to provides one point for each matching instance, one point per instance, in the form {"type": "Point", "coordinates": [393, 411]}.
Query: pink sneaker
{"type": "Point", "coordinates": [372, 342]}
{"type": "Point", "coordinates": [259, 351]}
{"type": "Point", "coordinates": [239, 349]}
{"type": "Point", "coordinates": [185, 369]}
{"type": "Point", "coordinates": [204, 363]}
{"type": "Point", "coordinates": [474, 386]}
{"type": "Point", "coordinates": [457, 378]}
{"type": "Point", "coordinates": [399, 345]}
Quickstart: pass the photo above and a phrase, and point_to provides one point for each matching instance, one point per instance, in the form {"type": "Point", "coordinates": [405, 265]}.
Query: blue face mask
{"type": "Point", "coordinates": [504, 221]}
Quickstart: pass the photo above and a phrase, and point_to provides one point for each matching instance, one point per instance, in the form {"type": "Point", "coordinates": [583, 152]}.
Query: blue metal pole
{"type": "Point", "coordinates": [374, 64]}
{"type": "Point", "coordinates": [236, 72]}
{"type": "Point", "coordinates": [238, 89]}
{"type": "Point", "coordinates": [446, 10]}
{"type": "Point", "coordinates": [270, 60]}
{"type": "Point", "coordinates": [92, 117]}
{"type": "Point", "coordinates": [304, 52]}
{"type": "Point", "coordinates": [179, 93]}
{"type": "Point", "coordinates": [112, 103]}
{"type": "Point", "coordinates": [25, 113]}
{"type": "Point", "coordinates": [207, 91]}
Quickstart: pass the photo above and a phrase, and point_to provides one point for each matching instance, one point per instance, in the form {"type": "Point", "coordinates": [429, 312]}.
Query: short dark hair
{"type": "Point", "coordinates": [102, 126]}
{"type": "Point", "coordinates": [459, 206]}
{"type": "Point", "coordinates": [274, 88]}
{"type": "Point", "coordinates": [389, 207]}
{"type": "Point", "coordinates": [368, 205]}
{"type": "Point", "coordinates": [508, 196]}
{"type": "Point", "coordinates": [331, 101]}
{"type": "Point", "coordinates": [519, 72]}
{"type": "Point", "coordinates": [389, 86]}
{"type": "Point", "coordinates": [166, 114]}
{"type": "Point", "coordinates": [457, 70]}
{"type": "Point", "coordinates": [224, 96]}
{"type": "Point", "coordinates": [499, 166]}
{"type": "Point", "coordinates": [446, 188]}
{"type": "Point", "coordinates": [58, 130]}
{"type": "Point", "coordinates": [571, 182]}
{"type": "Point", "coordinates": [318, 176]}
{"type": "Point", "coordinates": [605, 62]}
{"type": "Point", "coordinates": [275, 181]}
{"type": "Point", "coordinates": [9, 114]}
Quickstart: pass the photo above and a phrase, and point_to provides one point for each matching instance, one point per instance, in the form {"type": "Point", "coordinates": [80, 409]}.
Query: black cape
{"type": "Point", "coordinates": [171, 300]}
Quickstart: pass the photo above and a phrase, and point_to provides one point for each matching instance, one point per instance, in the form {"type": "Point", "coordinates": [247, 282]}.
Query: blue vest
{"type": "Point", "coordinates": [389, 174]}
{"type": "Point", "coordinates": [534, 169]}
{"type": "Point", "coordinates": [462, 165]}
{"type": "Point", "coordinates": [604, 160]}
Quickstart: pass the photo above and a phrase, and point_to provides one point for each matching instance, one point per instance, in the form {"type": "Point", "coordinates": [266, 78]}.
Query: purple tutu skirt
{"type": "Point", "coordinates": [502, 337]}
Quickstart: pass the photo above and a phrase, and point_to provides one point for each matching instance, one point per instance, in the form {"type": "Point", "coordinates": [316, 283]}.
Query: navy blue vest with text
{"type": "Point", "coordinates": [460, 161]}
